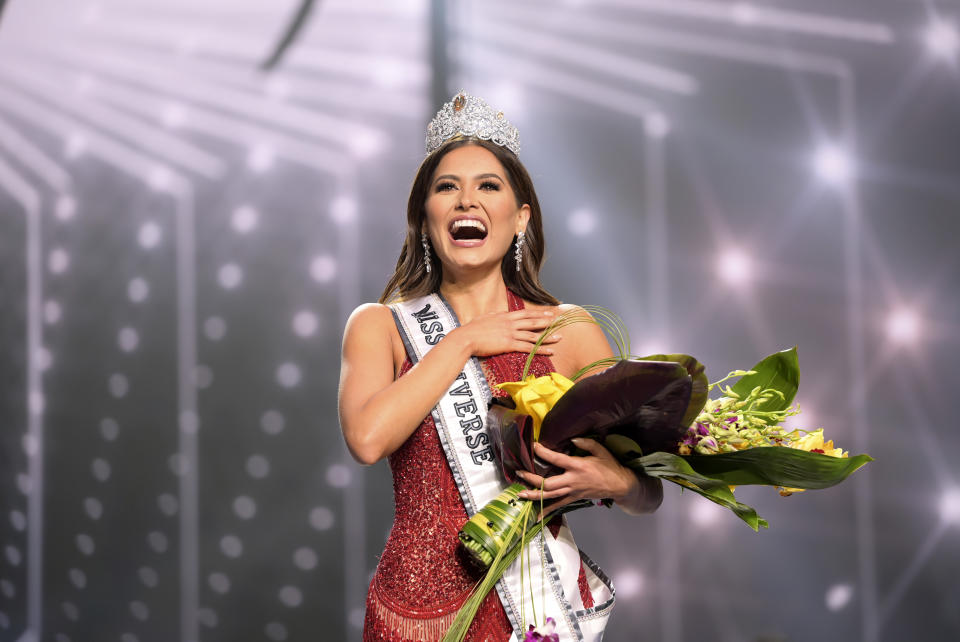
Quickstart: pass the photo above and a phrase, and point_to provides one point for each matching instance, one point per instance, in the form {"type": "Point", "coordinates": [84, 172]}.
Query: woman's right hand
{"type": "Point", "coordinates": [500, 332]}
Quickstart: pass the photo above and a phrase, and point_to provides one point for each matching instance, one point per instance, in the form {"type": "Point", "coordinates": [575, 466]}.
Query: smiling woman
{"type": "Point", "coordinates": [465, 307]}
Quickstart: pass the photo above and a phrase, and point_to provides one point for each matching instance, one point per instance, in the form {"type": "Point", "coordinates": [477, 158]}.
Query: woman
{"type": "Point", "coordinates": [475, 245]}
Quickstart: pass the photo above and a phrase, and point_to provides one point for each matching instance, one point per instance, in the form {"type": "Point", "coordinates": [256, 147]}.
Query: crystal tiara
{"type": "Point", "coordinates": [469, 116]}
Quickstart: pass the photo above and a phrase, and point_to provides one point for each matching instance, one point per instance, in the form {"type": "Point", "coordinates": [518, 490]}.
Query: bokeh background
{"type": "Point", "coordinates": [195, 195]}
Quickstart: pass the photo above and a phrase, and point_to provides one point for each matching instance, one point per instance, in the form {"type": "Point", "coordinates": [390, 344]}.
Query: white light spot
{"type": "Point", "coordinates": [941, 39]}
{"type": "Point", "coordinates": [656, 125]}
{"type": "Point", "coordinates": [160, 178]}
{"type": "Point", "coordinates": [118, 385]}
{"type": "Point", "coordinates": [323, 268]}
{"type": "Point", "coordinates": [148, 576]}
{"type": "Point", "coordinates": [138, 289]}
{"type": "Point", "coordinates": [13, 555]}
{"type": "Point", "coordinates": [244, 507]}
{"type": "Point", "coordinates": [305, 323]}
{"type": "Point", "coordinates": [950, 506]}
{"type": "Point", "coordinates": [109, 428]}
{"type": "Point", "coordinates": [52, 312]}
{"type": "Point", "coordinates": [31, 445]}
{"type": "Point", "coordinates": [18, 520]}
{"type": "Point", "coordinates": [734, 267]}
{"type": "Point", "coordinates": [93, 508]}
{"type": "Point", "coordinates": [838, 596]}
{"type": "Point", "coordinates": [139, 610]}
{"type": "Point", "coordinates": [5, 621]}
{"type": "Point", "coordinates": [338, 476]}
{"type": "Point", "coordinates": [58, 261]}
{"type": "Point", "coordinates": [157, 541]}
{"type": "Point", "coordinates": [903, 326]}
{"type": "Point", "coordinates": [78, 578]}
{"type": "Point", "coordinates": [66, 208]}
{"type": "Point", "coordinates": [261, 158]}
{"type": "Point", "coordinates": [8, 589]}
{"type": "Point", "coordinates": [189, 422]}
{"type": "Point", "coordinates": [70, 611]}
{"type": "Point", "coordinates": [258, 467]}
{"type": "Point", "coordinates": [629, 583]}
{"type": "Point", "coordinates": [705, 513]}
{"type": "Point", "coordinates": [367, 144]}
{"type": "Point", "coordinates": [37, 402]}
{"type": "Point", "coordinates": [343, 210]}
{"type": "Point", "coordinates": [582, 222]}
{"type": "Point", "coordinates": [277, 88]}
{"type": "Point", "coordinates": [168, 504]}
{"type": "Point", "coordinates": [231, 546]}
{"type": "Point", "coordinates": [215, 328]}
{"type": "Point", "coordinates": [244, 219]}
{"type": "Point", "coordinates": [510, 98]}
{"type": "Point", "coordinates": [833, 164]}
{"type": "Point", "coordinates": [272, 422]}
{"type": "Point", "coordinates": [288, 374]}
{"type": "Point", "coordinates": [75, 146]}
{"type": "Point", "coordinates": [149, 235]}
{"type": "Point", "coordinates": [743, 13]}
{"type": "Point", "coordinates": [219, 582]}
{"type": "Point", "coordinates": [129, 637]}
{"type": "Point", "coordinates": [230, 276]}
{"type": "Point", "coordinates": [100, 469]}
{"type": "Point", "coordinates": [290, 596]}
{"type": "Point", "coordinates": [43, 359]}
{"type": "Point", "coordinates": [128, 339]}
{"type": "Point", "coordinates": [305, 558]}
{"type": "Point", "coordinates": [179, 465]}
{"type": "Point", "coordinates": [276, 631]}
{"type": "Point", "coordinates": [321, 518]}
{"type": "Point", "coordinates": [85, 544]}
{"type": "Point", "coordinates": [202, 376]}
{"type": "Point", "coordinates": [174, 115]}
{"type": "Point", "coordinates": [207, 617]}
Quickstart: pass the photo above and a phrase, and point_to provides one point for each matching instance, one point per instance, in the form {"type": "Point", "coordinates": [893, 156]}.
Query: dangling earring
{"type": "Point", "coordinates": [426, 250]}
{"type": "Point", "coordinates": [518, 253]}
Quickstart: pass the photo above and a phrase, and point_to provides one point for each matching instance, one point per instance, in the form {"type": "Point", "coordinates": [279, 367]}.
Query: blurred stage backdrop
{"type": "Point", "coordinates": [194, 196]}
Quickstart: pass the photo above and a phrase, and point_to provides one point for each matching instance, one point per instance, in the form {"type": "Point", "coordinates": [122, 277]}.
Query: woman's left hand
{"type": "Point", "coordinates": [594, 476]}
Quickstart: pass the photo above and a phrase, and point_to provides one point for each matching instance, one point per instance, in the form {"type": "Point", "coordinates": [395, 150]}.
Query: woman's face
{"type": "Point", "coordinates": [472, 212]}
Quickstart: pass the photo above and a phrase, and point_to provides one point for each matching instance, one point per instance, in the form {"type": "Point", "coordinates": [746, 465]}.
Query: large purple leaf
{"type": "Point", "coordinates": [643, 400]}
{"type": "Point", "coordinates": [511, 434]}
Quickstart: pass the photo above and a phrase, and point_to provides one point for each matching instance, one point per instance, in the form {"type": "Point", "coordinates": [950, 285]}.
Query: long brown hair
{"type": "Point", "coordinates": [411, 280]}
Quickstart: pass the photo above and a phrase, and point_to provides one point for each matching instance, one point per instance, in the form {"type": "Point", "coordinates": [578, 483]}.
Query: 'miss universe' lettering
{"type": "Point", "coordinates": [471, 423]}
{"type": "Point", "coordinates": [432, 332]}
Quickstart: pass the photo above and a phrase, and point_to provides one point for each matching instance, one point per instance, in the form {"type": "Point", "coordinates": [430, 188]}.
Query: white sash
{"type": "Point", "coordinates": [459, 417]}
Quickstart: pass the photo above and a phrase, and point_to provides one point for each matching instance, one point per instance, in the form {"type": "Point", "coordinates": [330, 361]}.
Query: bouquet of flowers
{"type": "Point", "coordinates": [655, 415]}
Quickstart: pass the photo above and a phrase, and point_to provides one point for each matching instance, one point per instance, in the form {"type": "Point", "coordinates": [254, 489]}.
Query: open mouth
{"type": "Point", "coordinates": [468, 229]}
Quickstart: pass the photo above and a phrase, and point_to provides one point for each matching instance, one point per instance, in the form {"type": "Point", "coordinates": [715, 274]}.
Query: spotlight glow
{"type": "Point", "coordinates": [705, 513]}
{"type": "Point", "coordinates": [838, 596]}
{"type": "Point", "coordinates": [942, 40]}
{"type": "Point", "coordinates": [261, 158]}
{"type": "Point", "coordinates": [149, 235]}
{"type": "Point", "coordinates": [833, 164]}
{"type": "Point", "coordinates": [66, 208]}
{"type": "Point", "coordinates": [656, 125]}
{"type": "Point", "coordinates": [244, 219]}
{"type": "Point", "coordinates": [174, 115]}
{"type": "Point", "coordinates": [950, 506]}
{"type": "Point", "coordinates": [734, 267]}
{"type": "Point", "coordinates": [582, 222]}
{"type": "Point", "coordinates": [903, 327]}
{"type": "Point", "coordinates": [629, 583]}
{"type": "Point", "coordinates": [343, 209]}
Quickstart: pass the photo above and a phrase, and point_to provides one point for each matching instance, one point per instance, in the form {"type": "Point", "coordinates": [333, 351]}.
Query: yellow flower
{"type": "Point", "coordinates": [813, 442]}
{"type": "Point", "coordinates": [535, 396]}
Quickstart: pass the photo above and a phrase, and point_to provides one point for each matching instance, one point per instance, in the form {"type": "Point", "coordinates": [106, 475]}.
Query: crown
{"type": "Point", "coordinates": [469, 116]}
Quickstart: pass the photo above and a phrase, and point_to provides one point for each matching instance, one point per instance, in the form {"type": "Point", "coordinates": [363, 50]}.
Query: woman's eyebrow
{"type": "Point", "coordinates": [476, 178]}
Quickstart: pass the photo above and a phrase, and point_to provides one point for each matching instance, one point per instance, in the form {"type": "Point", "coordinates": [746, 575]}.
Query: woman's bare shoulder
{"type": "Point", "coordinates": [372, 324]}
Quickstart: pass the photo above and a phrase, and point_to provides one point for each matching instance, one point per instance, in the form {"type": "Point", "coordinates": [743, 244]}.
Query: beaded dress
{"type": "Point", "coordinates": [423, 578]}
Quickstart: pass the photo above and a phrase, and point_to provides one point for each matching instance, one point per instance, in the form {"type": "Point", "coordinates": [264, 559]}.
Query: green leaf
{"type": "Point", "coordinates": [674, 468]}
{"type": "Point", "coordinates": [622, 447]}
{"type": "Point", "coordinates": [776, 466]}
{"type": "Point", "coordinates": [780, 371]}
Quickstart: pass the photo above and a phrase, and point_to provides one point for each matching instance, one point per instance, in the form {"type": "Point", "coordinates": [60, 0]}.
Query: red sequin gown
{"type": "Point", "coordinates": [422, 578]}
